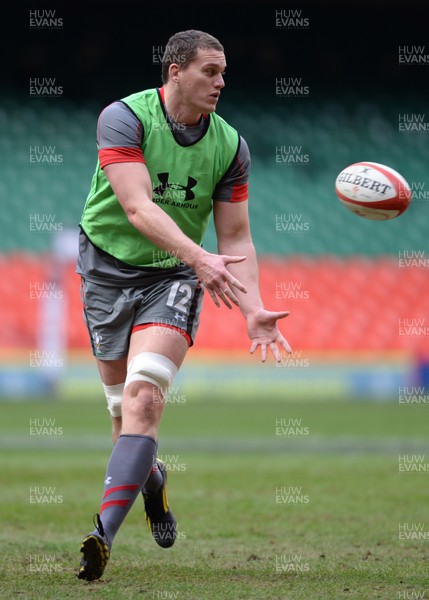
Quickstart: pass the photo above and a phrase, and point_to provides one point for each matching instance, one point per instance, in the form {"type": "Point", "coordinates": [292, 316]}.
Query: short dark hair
{"type": "Point", "coordinates": [183, 46]}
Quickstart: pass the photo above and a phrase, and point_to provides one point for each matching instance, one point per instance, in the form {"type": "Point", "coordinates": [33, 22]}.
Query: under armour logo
{"type": "Point", "coordinates": [175, 191]}
{"type": "Point", "coordinates": [108, 480]}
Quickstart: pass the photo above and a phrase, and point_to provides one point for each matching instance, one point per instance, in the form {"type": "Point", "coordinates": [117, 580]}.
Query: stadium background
{"type": "Point", "coordinates": [358, 323]}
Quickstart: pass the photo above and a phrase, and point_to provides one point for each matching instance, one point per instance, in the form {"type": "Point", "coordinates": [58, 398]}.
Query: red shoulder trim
{"type": "Point", "coordinates": [240, 193]}
{"type": "Point", "coordinates": [108, 156]}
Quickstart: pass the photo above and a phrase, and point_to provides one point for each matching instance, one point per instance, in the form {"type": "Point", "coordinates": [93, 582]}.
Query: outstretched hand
{"type": "Point", "coordinates": [263, 331]}
{"type": "Point", "coordinates": [217, 280]}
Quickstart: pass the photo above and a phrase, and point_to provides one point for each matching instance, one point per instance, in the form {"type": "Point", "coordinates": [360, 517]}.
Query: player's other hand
{"type": "Point", "coordinates": [263, 331]}
{"type": "Point", "coordinates": [218, 281]}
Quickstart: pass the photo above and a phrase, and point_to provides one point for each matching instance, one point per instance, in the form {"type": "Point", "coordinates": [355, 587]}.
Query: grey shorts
{"type": "Point", "coordinates": [171, 299]}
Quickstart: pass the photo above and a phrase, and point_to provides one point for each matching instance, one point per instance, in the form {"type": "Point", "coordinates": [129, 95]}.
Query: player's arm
{"type": "Point", "coordinates": [231, 219]}
{"type": "Point", "coordinates": [233, 234]}
{"type": "Point", "coordinates": [233, 231]}
{"type": "Point", "coordinates": [132, 186]}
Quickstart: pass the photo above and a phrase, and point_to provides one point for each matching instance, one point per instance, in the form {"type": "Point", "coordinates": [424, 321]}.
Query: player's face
{"type": "Point", "coordinates": [202, 80]}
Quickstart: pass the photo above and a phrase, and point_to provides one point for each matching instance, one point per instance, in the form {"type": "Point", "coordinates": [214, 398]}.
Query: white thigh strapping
{"type": "Point", "coordinates": [152, 367]}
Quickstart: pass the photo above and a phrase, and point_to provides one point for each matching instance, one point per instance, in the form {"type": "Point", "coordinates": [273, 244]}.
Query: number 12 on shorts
{"type": "Point", "coordinates": [182, 304]}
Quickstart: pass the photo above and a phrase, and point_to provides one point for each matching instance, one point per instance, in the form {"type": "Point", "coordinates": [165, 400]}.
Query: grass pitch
{"type": "Point", "coordinates": [294, 500]}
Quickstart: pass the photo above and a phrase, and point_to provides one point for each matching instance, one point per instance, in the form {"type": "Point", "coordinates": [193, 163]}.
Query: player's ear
{"type": "Point", "coordinates": [173, 72]}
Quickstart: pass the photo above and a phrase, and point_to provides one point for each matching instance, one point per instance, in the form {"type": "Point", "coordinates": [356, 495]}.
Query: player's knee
{"type": "Point", "coordinates": [143, 402]}
{"type": "Point", "coordinates": [116, 428]}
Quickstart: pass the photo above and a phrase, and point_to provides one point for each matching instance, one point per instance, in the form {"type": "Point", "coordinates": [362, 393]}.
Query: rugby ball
{"type": "Point", "coordinates": [373, 191]}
